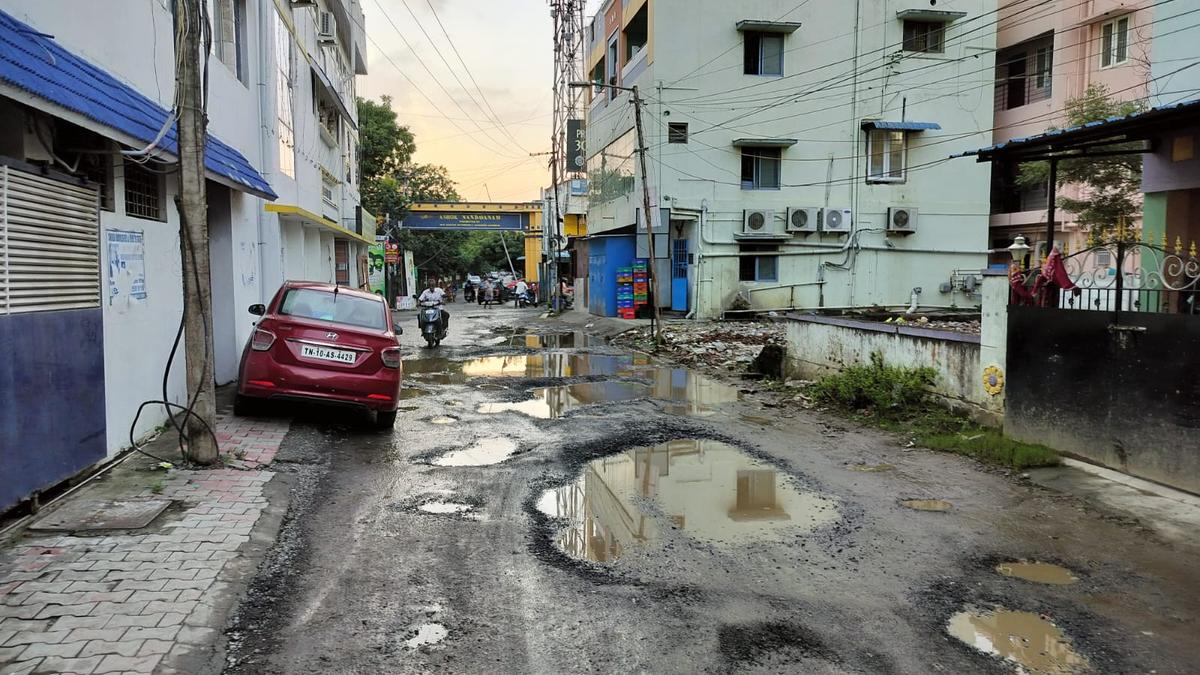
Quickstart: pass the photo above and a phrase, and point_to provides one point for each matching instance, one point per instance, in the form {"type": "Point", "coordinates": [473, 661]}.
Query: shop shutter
{"type": "Point", "coordinates": [49, 243]}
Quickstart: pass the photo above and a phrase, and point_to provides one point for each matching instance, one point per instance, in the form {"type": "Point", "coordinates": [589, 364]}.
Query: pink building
{"type": "Point", "coordinates": [1047, 54]}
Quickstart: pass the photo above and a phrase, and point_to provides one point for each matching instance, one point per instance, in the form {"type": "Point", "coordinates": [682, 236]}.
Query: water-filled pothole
{"type": "Point", "coordinates": [427, 634]}
{"type": "Point", "coordinates": [443, 419]}
{"type": "Point", "coordinates": [1038, 572]}
{"type": "Point", "coordinates": [484, 452]}
{"type": "Point", "coordinates": [407, 393]}
{"type": "Point", "coordinates": [707, 490]}
{"type": "Point", "coordinates": [445, 508]}
{"type": "Point", "coordinates": [871, 468]}
{"type": "Point", "coordinates": [554, 402]}
{"type": "Point", "coordinates": [926, 504]}
{"type": "Point", "coordinates": [1031, 641]}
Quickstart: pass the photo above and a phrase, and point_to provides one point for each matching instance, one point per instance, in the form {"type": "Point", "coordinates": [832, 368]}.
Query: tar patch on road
{"type": "Point", "coordinates": [775, 642]}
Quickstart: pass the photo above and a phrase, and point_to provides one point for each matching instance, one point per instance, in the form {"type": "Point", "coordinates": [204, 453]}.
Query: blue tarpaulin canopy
{"type": "Point", "coordinates": [34, 63]}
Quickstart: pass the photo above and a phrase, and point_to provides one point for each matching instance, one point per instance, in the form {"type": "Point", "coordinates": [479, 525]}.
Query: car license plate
{"type": "Point", "coordinates": [327, 354]}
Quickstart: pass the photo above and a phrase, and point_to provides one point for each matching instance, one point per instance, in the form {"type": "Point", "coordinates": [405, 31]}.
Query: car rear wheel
{"type": "Point", "coordinates": [244, 406]}
{"type": "Point", "coordinates": [385, 420]}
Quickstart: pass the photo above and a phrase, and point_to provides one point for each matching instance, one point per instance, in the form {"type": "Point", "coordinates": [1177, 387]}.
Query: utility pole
{"type": "Point", "coordinates": [191, 29]}
{"type": "Point", "coordinates": [656, 320]}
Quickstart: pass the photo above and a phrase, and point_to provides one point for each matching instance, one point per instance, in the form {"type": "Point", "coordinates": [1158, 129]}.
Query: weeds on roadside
{"type": "Point", "coordinates": [897, 399]}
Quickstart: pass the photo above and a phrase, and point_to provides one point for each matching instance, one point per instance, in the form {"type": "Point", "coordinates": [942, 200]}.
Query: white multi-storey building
{"type": "Point", "coordinates": [796, 151]}
{"type": "Point", "coordinates": [94, 260]}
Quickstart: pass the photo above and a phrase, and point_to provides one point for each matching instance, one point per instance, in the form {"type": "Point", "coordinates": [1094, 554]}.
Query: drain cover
{"type": "Point", "coordinates": [102, 514]}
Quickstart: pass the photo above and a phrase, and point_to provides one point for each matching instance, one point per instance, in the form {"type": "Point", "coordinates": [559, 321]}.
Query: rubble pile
{"type": "Point", "coordinates": [970, 326]}
{"type": "Point", "coordinates": [709, 344]}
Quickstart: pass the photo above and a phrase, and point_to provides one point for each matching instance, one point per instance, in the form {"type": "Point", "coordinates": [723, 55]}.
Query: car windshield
{"type": "Point", "coordinates": [343, 308]}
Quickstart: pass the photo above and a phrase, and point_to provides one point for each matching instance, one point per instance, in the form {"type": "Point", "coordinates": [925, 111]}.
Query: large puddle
{"type": "Point", "coordinates": [1035, 644]}
{"type": "Point", "coordinates": [484, 452]}
{"type": "Point", "coordinates": [709, 490]}
{"type": "Point", "coordinates": [554, 402]}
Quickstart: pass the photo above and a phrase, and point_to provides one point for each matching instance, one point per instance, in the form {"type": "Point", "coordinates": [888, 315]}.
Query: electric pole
{"type": "Point", "coordinates": [191, 29]}
{"type": "Point", "coordinates": [656, 325]}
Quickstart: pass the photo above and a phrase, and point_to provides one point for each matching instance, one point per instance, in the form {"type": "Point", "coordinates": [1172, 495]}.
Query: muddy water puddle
{"type": "Point", "coordinates": [706, 490]}
{"type": "Point", "coordinates": [409, 393]}
{"type": "Point", "coordinates": [484, 452]}
{"type": "Point", "coordinates": [1026, 639]}
{"type": "Point", "coordinates": [554, 402]}
{"type": "Point", "coordinates": [1038, 572]}
{"type": "Point", "coordinates": [552, 364]}
{"type": "Point", "coordinates": [936, 505]}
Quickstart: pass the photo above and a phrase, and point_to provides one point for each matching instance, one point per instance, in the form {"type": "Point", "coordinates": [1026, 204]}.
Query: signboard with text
{"type": "Point", "coordinates": [576, 150]}
{"type": "Point", "coordinates": [450, 220]}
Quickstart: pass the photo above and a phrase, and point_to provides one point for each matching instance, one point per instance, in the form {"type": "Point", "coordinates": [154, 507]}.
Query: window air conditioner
{"type": "Point", "coordinates": [803, 219]}
{"type": "Point", "coordinates": [327, 31]}
{"type": "Point", "coordinates": [759, 223]}
{"type": "Point", "coordinates": [835, 220]}
{"type": "Point", "coordinates": [902, 219]}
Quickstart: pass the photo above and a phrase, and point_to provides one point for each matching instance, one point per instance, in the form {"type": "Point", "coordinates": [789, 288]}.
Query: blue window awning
{"type": "Point", "coordinates": [66, 85]}
{"type": "Point", "coordinates": [867, 125]}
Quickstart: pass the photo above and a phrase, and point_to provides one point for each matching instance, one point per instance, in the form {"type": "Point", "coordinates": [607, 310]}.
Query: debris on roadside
{"type": "Point", "coordinates": [717, 344]}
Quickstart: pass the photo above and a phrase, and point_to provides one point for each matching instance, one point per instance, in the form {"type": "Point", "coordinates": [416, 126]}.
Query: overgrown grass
{"type": "Point", "coordinates": [898, 399]}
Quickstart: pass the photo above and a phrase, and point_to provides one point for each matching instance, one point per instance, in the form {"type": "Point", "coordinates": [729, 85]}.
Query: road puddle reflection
{"type": "Point", "coordinates": [1032, 642]}
{"type": "Point", "coordinates": [551, 340]}
{"type": "Point", "coordinates": [709, 490]}
{"type": "Point", "coordinates": [554, 402]}
{"type": "Point", "coordinates": [1038, 572]}
{"type": "Point", "coordinates": [484, 452]}
{"type": "Point", "coordinates": [445, 508]}
{"type": "Point", "coordinates": [427, 634]}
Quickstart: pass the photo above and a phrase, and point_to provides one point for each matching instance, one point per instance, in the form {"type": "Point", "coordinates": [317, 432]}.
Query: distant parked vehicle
{"type": "Point", "coordinates": [320, 343]}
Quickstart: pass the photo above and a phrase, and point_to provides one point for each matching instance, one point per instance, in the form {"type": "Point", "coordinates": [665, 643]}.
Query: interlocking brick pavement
{"type": "Point", "coordinates": [131, 602]}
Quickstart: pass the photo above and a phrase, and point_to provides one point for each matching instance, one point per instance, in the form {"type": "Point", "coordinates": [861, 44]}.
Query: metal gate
{"type": "Point", "coordinates": [52, 419]}
{"type": "Point", "coordinates": [679, 275]}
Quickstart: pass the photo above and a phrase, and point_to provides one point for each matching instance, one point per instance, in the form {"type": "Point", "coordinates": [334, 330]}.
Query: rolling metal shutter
{"type": "Point", "coordinates": [49, 244]}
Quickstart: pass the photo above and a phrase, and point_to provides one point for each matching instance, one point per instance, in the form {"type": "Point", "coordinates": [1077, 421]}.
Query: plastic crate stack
{"type": "Point", "coordinates": [641, 283]}
{"type": "Point", "coordinates": [625, 293]}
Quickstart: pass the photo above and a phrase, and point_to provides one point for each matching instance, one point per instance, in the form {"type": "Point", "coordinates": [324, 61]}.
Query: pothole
{"type": "Point", "coordinates": [407, 393]}
{"type": "Point", "coordinates": [554, 402]}
{"type": "Point", "coordinates": [484, 452]}
{"type": "Point", "coordinates": [939, 505]}
{"type": "Point", "coordinates": [443, 419]}
{"type": "Point", "coordinates": [427, 634]}
{"type": "Point", "coordinates": [1031, 641]}
{"type": "Point", "coordinates": [1038, 572]}
{"type": "Point", "coordinates": [445, 507]}
{"type": "Point", "coordinates": [871, 468]}
{"type": "Point", "coordinates": [704, 489]}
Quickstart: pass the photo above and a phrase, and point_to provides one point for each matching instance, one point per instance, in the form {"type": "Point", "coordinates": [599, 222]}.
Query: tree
{"type": "Point", "coordinates": [383, 144]}
{"type": "Point", "coordinates": [1112, 184]}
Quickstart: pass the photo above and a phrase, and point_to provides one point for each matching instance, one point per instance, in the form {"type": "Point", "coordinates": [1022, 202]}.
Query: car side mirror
{"type": "Point", "coordinates": [397, 328]}
{"type": "Point", "coordinates": [258, 309]}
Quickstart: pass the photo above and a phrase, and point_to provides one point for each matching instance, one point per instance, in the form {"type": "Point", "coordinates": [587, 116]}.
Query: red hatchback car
{"type": "Point", "coordinates": [321, 343]}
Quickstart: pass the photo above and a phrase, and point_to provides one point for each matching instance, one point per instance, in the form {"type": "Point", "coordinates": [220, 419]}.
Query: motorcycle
{"type": "Point", "coordinates": [527, 299]}
{"type": "Point", "coordinates": [468, 293]}
{"type": "Point", "coordinates": [430, 321]}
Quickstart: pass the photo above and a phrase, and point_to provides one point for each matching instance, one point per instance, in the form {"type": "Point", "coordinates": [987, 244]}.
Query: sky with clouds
{"type": "Point", "coordinates": [481, 122]}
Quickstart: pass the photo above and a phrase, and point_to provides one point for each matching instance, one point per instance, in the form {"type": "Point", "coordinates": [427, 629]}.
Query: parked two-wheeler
{"type": "Point", "coordinates": [432, 320]}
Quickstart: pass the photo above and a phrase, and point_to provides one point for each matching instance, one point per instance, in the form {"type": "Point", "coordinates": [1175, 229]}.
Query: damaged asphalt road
{"type": "Point", "coordinates": [646, 519]}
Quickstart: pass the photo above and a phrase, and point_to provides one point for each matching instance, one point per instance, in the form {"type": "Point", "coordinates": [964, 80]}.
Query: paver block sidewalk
{"type": "Point", "coordinates": [131, 601]}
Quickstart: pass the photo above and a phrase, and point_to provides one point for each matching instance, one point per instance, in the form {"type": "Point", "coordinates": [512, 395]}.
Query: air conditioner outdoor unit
{"type": "Point", "coordinates": [327, 31]}
{"type": "Point", "coordinates": [759, 223]}
{"type": "Point", "coordinates": [835, 220]}
{"type": "Point", "coordinates": [803, 219]}
{"type": "Point", "coordinates": [304, 3]}
{"type": "Point", "coordinates": [902, 219]}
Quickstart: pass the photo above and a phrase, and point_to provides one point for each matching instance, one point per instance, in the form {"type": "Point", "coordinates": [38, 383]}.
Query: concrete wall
{"type": "Point", "coordinates": [1175, 36]}
{"type": "Point", "coordinates": [826, 168]}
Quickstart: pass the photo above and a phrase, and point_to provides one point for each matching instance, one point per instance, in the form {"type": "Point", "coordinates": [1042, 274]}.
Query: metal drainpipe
{"type": "Point", "coordinates": [262, 144]}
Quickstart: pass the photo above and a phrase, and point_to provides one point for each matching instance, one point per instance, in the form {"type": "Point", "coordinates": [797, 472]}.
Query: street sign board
{"type": "Point", "coordinates": [576, 150]}
{"type": "Point", "coordinates": [450, 220]}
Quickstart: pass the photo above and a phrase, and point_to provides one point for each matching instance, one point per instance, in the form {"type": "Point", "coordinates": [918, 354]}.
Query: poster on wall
{"type": "Point", "coordinates": [375, 268]}
{"type": "Point", "coordinates": [126, 267]}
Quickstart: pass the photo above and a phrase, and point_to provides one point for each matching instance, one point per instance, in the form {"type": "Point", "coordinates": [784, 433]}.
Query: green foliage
{"type": "Point", "coordinates": [1114, 183]}
{"type": "Point", "coordinates": [384, 146]}
{"type": "Point", "coordinates": [896, 399]}
{"type": "Point", "coordinates": [888, 390]}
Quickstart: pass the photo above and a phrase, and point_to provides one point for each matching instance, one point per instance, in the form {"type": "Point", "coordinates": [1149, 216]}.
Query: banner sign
{"type": "Point", "coordinates": [391, 252]}
{"type": "Point", "coordinates": [576, 150]}
{"type": "Point", "coordinates": [450, 220]}
{"type": "Point", "coordinates": [375, 268]}
{"type": "Point", "coordinates": [126, 267]}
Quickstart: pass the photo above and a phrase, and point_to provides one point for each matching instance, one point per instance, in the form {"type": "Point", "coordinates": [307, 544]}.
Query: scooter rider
{"type": "Point", "coordinates": [520, 293]}
{"type": "Point", "coordinates": [434, 293]}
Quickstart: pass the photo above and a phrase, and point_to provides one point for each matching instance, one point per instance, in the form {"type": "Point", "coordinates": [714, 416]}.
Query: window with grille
{"type": "Point", "coordinates": [143, 192]}
{"type": "Point", "coordinates": [758, 267]}
{"type": "Point", "coordinates": [677, 132]}
{"type": "Point", "coordinates": [924, 36]}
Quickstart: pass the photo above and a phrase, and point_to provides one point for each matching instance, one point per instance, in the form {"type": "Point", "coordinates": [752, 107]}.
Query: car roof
{"type": "Point", "coordinates": [328, 287]}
